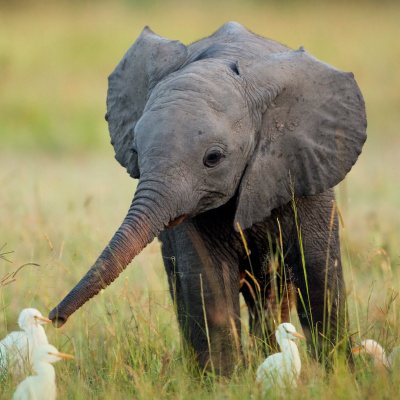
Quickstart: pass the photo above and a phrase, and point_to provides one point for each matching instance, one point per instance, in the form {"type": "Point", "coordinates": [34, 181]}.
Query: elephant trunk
{"type": "Point", "coordinates": [146, 218]}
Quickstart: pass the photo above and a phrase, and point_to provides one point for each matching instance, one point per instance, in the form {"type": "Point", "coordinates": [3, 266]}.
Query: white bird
{"type": "Point", "coordinates": [43, 385]}
{"type": "Point", "coordinates": [282, 369]}
{"type": "Point", "coordinates": [374, 349]}
{"type": "Point", "coordinates": [16, 349]}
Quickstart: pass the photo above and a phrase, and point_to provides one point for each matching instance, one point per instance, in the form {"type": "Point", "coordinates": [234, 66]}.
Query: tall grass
{"type": "Point", "coordinates": [63, 195]}
{"type": "Point", "coordinates": [126, 340]}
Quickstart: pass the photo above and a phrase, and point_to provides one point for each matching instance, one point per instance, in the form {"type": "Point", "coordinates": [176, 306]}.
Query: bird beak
{"type": "Point", "coordinates": [44, 319]}
{"type": "Point", "coordinates": [295, 334]}
{"type": "Point", "coordinates": [62, 355]}
{"type": "Point", "coordinates": [356, 349]}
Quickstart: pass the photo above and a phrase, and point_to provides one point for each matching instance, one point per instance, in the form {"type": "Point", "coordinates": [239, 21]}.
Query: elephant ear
{"type": "Point", "coordinates": [312, 126]}
{"type": "Point", "coordinates": [150, 59]}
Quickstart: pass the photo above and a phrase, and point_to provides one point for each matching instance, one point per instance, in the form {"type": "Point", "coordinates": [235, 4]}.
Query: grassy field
{"type": "Point", "coordinates": [63, 195]}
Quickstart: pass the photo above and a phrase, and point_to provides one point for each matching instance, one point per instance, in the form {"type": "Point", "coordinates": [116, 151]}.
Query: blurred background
{"type": "Point", "coordinates": [62, 193]}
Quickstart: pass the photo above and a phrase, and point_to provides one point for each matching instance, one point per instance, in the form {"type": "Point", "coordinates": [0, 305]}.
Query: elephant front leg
{"type": "Point", "coordinates": [209, 318]}
{"type": "Point", "coordinates": [205, 289]}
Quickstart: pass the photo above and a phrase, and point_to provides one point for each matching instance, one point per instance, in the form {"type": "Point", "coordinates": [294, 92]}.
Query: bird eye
{"type": "Point", "coordinates": [212, 157]}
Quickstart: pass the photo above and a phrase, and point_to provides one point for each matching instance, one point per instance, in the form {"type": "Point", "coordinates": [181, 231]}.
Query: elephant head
{"type": "Point", "coordinates": [233, 115]}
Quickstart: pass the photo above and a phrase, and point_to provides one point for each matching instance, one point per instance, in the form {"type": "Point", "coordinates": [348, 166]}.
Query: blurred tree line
{"type": "Point", "coordinates": [55, 56]}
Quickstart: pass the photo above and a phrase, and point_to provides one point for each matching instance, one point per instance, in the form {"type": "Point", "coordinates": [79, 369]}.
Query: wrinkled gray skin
{"type": "Point", "coordinates": [219, 133]}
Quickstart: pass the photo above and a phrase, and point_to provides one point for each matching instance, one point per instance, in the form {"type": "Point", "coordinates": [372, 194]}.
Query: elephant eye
{"type": "Point", "coordinates": [212, 157]}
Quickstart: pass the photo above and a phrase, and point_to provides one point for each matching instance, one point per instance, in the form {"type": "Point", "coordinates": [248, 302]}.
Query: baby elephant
{"type": "Point", "coordinates": [233, 133]}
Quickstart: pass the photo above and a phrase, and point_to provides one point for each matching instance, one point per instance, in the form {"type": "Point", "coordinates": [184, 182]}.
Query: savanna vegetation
{"type": "Point", "coordinates": [63, 195]}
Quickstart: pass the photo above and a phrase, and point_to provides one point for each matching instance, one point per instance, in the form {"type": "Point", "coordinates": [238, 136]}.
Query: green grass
{"type": "Point", "coordinates": [58, 179]}
{"type": "Point", "coordinates": [126, 340]}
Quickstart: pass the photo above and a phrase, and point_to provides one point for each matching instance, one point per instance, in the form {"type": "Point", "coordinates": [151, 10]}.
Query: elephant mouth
{"type": "Point", "coordinates": [175, 222]}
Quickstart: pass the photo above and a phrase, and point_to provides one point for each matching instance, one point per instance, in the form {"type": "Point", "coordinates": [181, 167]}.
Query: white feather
{"type": "Point", "coordinates": [281, 369]}
{"type": "Point", "coordinates": [43, 385]}
{"type": "Point", "coordinates": [17, 348]}
{"type": "Point", "coordinates": [374, 349]}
